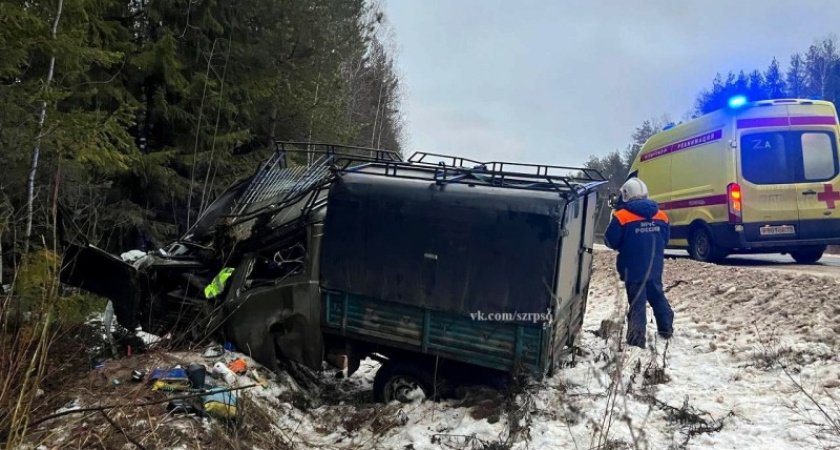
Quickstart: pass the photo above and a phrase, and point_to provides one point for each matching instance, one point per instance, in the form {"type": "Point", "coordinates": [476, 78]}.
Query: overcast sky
{"type": "Point", "coordinates": [553, 82]}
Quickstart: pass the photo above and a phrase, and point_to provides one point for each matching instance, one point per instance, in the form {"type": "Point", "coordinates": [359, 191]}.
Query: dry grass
{"type": "Point", "coordinates": [28, 330]}
{"type": "Point", "coordinates": [114, 415]}
{"type": "Point", "coordinates": [631, 387]}
{"type": "Point", "coordinates": [817, 407]}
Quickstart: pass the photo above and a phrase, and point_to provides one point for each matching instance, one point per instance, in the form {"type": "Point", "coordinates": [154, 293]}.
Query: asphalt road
{"type": "Point", "coordinates": [828, 265]}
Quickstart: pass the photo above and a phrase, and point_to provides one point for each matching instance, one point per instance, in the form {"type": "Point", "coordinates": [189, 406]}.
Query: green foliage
{"type": "Point", "coordinates": [76, 309]}
{"type": "Point", "coordinates": [35, 292]}
{"type": "Point", "coordinates": [36, 279]}
{"type": "Point", "coordinates": [156, 107]}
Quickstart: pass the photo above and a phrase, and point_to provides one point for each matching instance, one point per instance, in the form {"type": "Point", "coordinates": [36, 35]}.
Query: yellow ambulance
{"type": "Point", "coordinates": [753, 177]}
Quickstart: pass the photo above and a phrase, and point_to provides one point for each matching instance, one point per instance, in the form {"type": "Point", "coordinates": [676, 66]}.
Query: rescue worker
{"type": "Point", "coordinates": [639, 230]}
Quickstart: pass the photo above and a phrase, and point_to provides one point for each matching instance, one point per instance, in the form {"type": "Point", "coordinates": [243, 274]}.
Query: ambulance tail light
{"type": "Point", "coordinates": [733, 196]}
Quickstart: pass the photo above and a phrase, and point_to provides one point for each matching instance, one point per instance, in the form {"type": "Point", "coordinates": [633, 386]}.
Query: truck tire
{"type": "Point", "coordinates": [397, 380]}
{"type": "Point", "coordinates": [808, 255]}
{"type": "Point", "coordinates": [702, 247]}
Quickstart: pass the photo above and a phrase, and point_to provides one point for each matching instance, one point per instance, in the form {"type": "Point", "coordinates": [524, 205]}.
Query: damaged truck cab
{"type": "Point", "coordinates": [445, 271]}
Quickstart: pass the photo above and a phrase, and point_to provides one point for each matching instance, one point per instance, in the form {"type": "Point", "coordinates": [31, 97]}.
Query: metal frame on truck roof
{"type": "Point", "coordinates": [274, 182]}
{"type": "Point", "coordinates": [533, 177]}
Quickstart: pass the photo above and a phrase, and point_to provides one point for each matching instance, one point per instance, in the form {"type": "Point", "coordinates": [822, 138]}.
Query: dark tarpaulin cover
{"type": "Point", "coordinates": [453, 248]}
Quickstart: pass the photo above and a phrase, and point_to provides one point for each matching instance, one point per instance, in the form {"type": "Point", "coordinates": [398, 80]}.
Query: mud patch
{"type": "Point", "coordinates": [482, 402]}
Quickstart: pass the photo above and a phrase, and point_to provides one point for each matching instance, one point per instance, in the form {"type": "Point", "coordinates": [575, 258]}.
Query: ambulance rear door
{"type": "Point", "coordinates": [818, 184]}
{"type": "Point", "coordinates": [767, 168]}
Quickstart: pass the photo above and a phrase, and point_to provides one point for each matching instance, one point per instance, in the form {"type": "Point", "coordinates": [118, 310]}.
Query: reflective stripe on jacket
{"type": "Point", "coordinates": [639, 231]}
{"type": "Point", "coordinates": [218, 284]}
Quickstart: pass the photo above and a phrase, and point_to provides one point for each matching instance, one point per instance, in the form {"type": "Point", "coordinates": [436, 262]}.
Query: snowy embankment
{"type": "Point", "coordinates": [753, 364]}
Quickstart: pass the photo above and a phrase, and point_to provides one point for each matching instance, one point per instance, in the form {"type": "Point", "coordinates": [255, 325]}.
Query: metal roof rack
{"type": "Point", "coordinates": [338, 153]}
{"type": "Point", "coordinates": [277, 183]}
{"type": "Point", "coordinates": [455, 169]}
{"type": "Point", "coordinates": [297, 170]}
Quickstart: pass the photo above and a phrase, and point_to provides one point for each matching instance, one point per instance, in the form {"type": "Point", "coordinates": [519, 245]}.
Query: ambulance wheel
{"type": "Point", "coordinates": [702, 247]}
{"type": "Point", "coordinates": [809, 255]}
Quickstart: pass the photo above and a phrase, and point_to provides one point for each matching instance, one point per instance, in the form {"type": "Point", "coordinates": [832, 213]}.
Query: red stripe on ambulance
{"type": "Point", "coordinates": [763, 122]}
{"type": "Point", "coordinates": [813, 120]}
{"type": "Point", "coordinates": [760, 122]}
{"type": "Point", "coordinates": [683, 145]}
{"type": "Point", "coordinates": [692, 202]}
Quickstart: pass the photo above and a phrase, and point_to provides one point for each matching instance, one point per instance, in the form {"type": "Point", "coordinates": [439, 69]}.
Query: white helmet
{"type": "Point", "coordinates": [634, 189]}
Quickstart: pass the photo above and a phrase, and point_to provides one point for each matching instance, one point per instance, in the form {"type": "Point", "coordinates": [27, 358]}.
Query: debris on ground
{"type": "Point", "coordinates": [724, 380]}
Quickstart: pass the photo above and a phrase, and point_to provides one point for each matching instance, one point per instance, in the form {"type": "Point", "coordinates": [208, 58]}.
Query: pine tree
{"type": "Point", "coordinates": [706, 98]}
{"type": "Point", "coordinates": [59, 107]}
{"type": "Point", "coordinates": [721, 92]}
{"type": "Point", "coordinates": [741, 86]}
{"type": "Point", "coordinates": [640, 136]}
{"type": "Point", "coordinates": [615, 165]}
{"type": "Point", "coordinates": [797, 77]}
{"type": "Point", "coordinates": [756, 88]}
{"type": "Point", "coordinates": [775, 85]}
{"type": "Point", "coordinates": [155, 107]}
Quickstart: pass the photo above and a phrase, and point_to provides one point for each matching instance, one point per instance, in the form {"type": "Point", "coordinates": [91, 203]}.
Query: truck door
{"type": "Point", "coordinates": [818, 186]}
{"type": "Point", "coordinates": [767, 168]}
{"type": "Point", "coordinates": [274, 301]}
{"type": "Point", "coordinates": [94, 270]}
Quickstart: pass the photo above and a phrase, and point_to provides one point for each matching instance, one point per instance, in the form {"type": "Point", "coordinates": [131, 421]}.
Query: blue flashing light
{"type": "Point", "coordinates": [669, 126]}
{"type": "Point", "coordinates": [737, 101]}
{"type": "Point", "coordinates": [815, 97]}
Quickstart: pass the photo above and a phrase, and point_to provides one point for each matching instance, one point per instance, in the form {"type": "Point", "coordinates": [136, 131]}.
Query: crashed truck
{"type": "Point", "coordinates": [437, 266]}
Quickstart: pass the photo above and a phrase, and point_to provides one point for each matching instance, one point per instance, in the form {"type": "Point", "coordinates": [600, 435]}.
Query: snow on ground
{"type": "Point", "coordinates": [734, 329]}
{"type": "Point", "coordinates": [733, 326]}
{"type": "Point", "coordinates": [754, 353]}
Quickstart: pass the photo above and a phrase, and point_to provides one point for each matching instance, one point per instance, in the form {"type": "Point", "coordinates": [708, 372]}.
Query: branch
{"type": "Point", "coordinates": [114, 77]}
{"type": "Point", "coordinates": [133, 405]}
{"type": "Point", "coordinates": [198, 129]}
{"type": "Point", "coordinates": [127, 437]}
{"type": "Point", "coordinates": [216, 131]}
{"type": "Point", "coordinates": [831, 420]}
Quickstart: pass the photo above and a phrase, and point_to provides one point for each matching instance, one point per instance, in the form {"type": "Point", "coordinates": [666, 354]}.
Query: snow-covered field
{"type": "Point", "coordinates": [735, 329]}
{"type": "Point", "coordinates": [753, 365]}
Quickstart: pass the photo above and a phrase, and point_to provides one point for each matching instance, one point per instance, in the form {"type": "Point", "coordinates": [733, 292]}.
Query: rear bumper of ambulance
{"type": "Point", "coordinates": [746, 238]}
{"type": "Point", "coordinates": [788, 244]}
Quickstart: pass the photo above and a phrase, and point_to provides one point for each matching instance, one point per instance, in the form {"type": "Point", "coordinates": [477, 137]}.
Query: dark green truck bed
{"type": "Point", "coordinates": [410, 263]}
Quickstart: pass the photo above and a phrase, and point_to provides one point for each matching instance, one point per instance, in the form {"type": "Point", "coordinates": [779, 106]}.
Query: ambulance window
{"type": "Point", "coordinates": [817, 157]}
{"type": "Point", "coordinates": [764, 159]}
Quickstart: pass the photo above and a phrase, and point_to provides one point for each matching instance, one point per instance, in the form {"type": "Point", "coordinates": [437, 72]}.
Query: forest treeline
{"type": "Point", "coordinates": [130, 116]}
{"type": "Point", "coordinates": [814, 73]}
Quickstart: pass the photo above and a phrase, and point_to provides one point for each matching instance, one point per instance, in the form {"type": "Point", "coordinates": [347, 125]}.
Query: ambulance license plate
{"type": "Point", "coordinates": [777, 230]}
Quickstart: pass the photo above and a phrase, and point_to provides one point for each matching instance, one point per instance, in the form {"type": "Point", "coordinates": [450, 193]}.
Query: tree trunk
{"type": "Point", "coordinates": [36, 152]}
{"type": "Point", "coordinates": [55, 200]}
{"type": "Point", "coordinates": [198, 131]}
{"type": "Point", "coordinates": [204, 191]}
{"type": "Point", "coordinates": [309, 156]}
{"type": "Point", "coordinates": [376, 117]}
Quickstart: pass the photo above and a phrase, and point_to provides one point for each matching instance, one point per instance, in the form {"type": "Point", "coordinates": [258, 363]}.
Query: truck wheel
{"type": "Point", "coordinates": [702, 247]}
{"type": "Point", "coordinates": [808, 255]}
{"type": "Point", "coordinates": [402, 382]}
